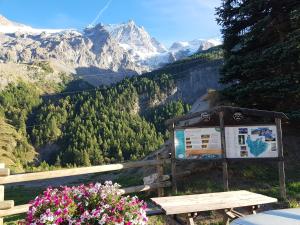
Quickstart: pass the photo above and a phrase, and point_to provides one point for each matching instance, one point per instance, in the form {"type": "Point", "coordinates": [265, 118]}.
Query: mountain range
{"type": "Point", "coordinates": [101, 54]}
{"type": "Point", "coordinates": [38, 105]}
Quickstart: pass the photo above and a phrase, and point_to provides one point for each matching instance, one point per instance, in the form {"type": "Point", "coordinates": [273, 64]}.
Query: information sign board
{"type": "Point", "coordinates": [251, 142]}
{"type": "Point", "coordinates": [198, 143]}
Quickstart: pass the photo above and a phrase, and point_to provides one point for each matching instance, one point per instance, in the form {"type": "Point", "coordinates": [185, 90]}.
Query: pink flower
{"type": "Point", "coordinates": [91, 204]}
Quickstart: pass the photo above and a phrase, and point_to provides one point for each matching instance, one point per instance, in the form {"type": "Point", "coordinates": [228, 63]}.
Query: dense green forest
{"type": "Point", "coordinates": [16, 103]}
{"type": "Point", "coordinates": [91, 127]}
{"type": "Point", "coordinates": [105, 125]}
{"type": "Point", "coordinates": [262, 54]}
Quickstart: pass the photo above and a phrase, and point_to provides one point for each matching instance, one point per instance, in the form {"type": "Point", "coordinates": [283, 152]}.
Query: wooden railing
{"type": "Point", "coordinates": [8, 208]}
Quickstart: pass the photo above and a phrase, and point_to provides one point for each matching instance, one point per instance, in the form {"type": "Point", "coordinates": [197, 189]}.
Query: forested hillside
{"type": "Point", "coordinates": [17, 102]}
{"type": "Point", "coordinates": [15, 150]}
{"type": "Point", "coordinates": [105, 125]}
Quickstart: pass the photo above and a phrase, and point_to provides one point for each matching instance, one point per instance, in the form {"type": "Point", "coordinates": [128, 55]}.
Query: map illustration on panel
{"type": "Point", "coordinates": [251, 142]}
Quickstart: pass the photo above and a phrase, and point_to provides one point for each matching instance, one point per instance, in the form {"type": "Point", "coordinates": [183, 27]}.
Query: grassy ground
{"type": "Point", "coordinates": [248, 175]}
{"type": "Point", "coordinates": [254, 177]}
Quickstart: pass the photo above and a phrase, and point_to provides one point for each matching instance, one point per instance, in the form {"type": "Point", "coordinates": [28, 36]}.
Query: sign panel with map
{"type": "Point", "coordinates": [198, 143]}
{"type": "Point", "coordinates": [251, 142]}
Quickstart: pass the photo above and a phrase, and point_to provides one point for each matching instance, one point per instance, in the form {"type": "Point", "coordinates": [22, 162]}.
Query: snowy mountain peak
{"type": "Point", "coordinates": [194, 45]}
{"type": "Point", "coordinates": [128, 32]}
{"type": "Point", "coordinates": [93, 30]}
{"type": "Point", "coordinates": [4, 21]}
{"type": "Point", "coordinates": [137, 41]}
{"type": "Point", "coordinates": [7, 26]}
{"type": "Point", "coordinates": [131, 23]}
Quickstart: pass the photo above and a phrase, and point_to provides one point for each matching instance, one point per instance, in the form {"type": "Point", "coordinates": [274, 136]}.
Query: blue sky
{"type": "Point", "coordinates": [166, 20]}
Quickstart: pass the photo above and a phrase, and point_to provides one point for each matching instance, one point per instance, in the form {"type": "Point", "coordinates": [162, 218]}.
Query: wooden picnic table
{"type": "Point", "coordinates": [190, 205]}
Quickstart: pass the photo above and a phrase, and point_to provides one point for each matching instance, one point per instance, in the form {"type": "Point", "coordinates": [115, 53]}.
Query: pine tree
{"type": "Point", "coordinates": [85, 159]}
{"type": "Point", "coordinates": [57, 161]}
{"type": "Point", "coordinates": [54, 131]}
{"type": "Point", "coordinates": [262, 53]}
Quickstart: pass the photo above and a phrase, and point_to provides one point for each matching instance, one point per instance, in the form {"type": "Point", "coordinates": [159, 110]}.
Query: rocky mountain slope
{"type": "Point", "coordinates": [103, 54]}
{"type": "Point", "coordinates": [142, 48]}
{"type": "Point", "coordinates": [46, 76]}
{"type": "Point", "coordinates": [194, 76]}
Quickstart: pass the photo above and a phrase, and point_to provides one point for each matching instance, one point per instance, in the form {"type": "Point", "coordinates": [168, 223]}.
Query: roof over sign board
{"type": "Point", "coordinates": [196, 116]}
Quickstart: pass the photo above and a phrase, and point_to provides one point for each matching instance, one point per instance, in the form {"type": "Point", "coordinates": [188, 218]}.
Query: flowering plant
{"type": "Point", "coordinates": [91, 204]}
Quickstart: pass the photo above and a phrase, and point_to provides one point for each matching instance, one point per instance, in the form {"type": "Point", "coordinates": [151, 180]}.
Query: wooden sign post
{"type": "Point", "coordinates": [4, 204]}
{"type": "Point", "coordinates": [2, 167]}
{"type": "Point", "coordinates": [223, 146]}
{"type": "Point", "coordinates": [1, 200]}
{"type": "Point", "coordinates": [281, 159]}
{"type": "Point", "coordinates": [160, 173]}
{"type": "Point", "coordinates": [173, 162]}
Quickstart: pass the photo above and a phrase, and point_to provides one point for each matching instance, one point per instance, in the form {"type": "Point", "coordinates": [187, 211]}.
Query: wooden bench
{"type": "Point", "coordinates": [190, 205]}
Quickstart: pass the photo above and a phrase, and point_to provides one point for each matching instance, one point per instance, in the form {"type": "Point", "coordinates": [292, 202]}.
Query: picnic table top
{"type": "Point", "coordinates": [211, 201]}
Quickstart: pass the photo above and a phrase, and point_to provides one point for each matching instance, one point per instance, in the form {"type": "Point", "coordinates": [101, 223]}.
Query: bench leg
{"type": "Point", "coordinates": [190, 221]}
{"type": "Point", "coordinates": [174, 220]}
{"type": "Point", "coordinates": [228, 215]}
{"type": "Point", "coordinates": [254, 208]}
{"type": "Point", "coordinates": [171, 220]}
{"type": "Point", "coordinates": [226, 220]}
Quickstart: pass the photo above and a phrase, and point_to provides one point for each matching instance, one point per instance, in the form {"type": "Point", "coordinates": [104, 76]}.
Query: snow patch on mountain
{"type": "Point", "coordinates": [8, 27]}
{"type": "Point", "coordinates": [194, 45]}
{"type": "Point", "coordinates": [142, 48]}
